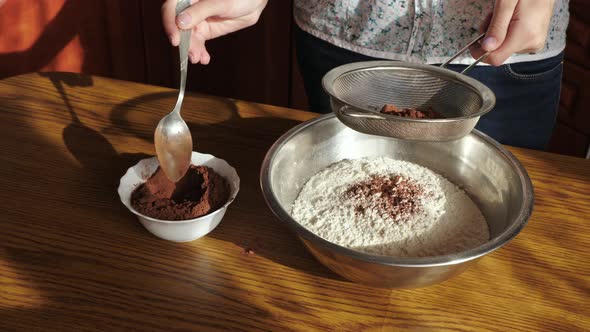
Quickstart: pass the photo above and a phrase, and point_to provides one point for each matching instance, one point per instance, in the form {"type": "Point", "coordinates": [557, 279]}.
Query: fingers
{"type": "Point", "coordinates": [526, 31]}
{"type": "Point", "coordinates": [199, 56]}
{"type": "Point", "coordinates": [197, 48]}
{"type": "Point", "coordinates": [169, 21]}
{"type": "Point", "coordinates": [521, 38]}
{"type": "Point", "coordinates": [199, 12]}
{"type": "Point", "coordinates": [485, 24]}
{"type": "Point", "coordinates": [475, 49]}
{"type": "Point", "coordinates": [476, 52]}
{"type": "Point", "coordinates": [499, 24]}
{"type": "Point", "coordinates": [205, 57]}
{"type": "Point", "coordinates": [197, 52]}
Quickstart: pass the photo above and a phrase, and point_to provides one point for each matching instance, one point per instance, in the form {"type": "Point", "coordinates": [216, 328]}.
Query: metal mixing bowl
{"type": "Point", "coordinates": [488, 172]}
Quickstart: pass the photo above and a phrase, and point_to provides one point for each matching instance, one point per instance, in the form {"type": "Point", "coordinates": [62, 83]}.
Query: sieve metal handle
{"type": "Point", "coordinates": [354, 113]}
{"type": "Point", "coordinates": [461, 51]}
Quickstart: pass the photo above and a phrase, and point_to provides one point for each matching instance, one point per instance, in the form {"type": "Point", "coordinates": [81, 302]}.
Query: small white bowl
{"type": "Point", "coordinates": [179, 230]}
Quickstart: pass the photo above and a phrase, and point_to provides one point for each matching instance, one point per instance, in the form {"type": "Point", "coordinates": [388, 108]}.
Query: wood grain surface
{"type": "Point", "coordinates": [72, 258]}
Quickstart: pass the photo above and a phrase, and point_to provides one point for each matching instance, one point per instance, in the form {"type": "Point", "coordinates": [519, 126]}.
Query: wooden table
{"type": "Point", "coordinates": [73, 258]}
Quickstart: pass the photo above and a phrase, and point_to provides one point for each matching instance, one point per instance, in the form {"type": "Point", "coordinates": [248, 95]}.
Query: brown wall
{"type": "Point", "coordinates": [125, 40]}
{"type": "Point", "coordinates": [572, 133]}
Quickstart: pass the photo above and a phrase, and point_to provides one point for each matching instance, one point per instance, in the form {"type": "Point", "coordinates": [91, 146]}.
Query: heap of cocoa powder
{"type": "Point", "coordinates": [396, 197]}
{"type": "Point", "coordinates": [413, 113]}
{"type": "Point", "coordinates": [198, 193]}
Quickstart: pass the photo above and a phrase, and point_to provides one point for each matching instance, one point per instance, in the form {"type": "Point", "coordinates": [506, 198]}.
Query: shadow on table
{"type": "Point", "coordinates": [242, 221]}
{"type": "Point", "coordinates": [101, 163]}
{"type": "Point", "coordinates": [106, 269]}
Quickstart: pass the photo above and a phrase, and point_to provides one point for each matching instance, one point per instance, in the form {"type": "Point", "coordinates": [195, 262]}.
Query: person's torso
{"type": "Point", "coordinates": [427, 31]}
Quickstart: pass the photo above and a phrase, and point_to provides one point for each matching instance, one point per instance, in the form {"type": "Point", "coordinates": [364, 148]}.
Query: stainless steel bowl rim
{"type": "Point", "coordinates": [488, 97]}
{"type": "Point", "coordinates": [507, 235]}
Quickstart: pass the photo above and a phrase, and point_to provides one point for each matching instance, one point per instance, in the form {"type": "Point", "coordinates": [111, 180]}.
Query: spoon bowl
{"type": "Point", "coordinates": [173, 145]}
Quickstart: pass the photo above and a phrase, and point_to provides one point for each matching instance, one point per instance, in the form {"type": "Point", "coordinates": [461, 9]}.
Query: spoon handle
{"type": "Point", "coordinates": [185, 40]}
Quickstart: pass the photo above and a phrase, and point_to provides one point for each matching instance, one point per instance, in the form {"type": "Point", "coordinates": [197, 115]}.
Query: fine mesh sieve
{"type": "Point", "coordinates": [358, 91]}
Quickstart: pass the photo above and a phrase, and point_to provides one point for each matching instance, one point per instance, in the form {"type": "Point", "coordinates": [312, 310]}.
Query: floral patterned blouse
{"type": "Point", "coordinates": [426, 31]}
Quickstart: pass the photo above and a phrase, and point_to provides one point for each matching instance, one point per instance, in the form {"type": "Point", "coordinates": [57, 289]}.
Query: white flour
{"type": "Point", "coordinates": [447, 221]}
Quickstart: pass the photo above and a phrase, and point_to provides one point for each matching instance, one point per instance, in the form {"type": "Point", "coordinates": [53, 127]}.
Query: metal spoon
{"type": "Point", "coordinates": [172, 137]}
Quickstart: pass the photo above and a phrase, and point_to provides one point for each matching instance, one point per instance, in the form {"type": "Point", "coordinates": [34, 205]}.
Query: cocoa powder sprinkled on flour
{"type": "Point", "coordinates": [396, 196]}
{"type": "Point", "coordinates": [389, 207]}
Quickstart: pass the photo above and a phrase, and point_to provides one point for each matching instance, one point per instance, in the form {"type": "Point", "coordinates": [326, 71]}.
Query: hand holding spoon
{"type": "Point", "coordinates": [174, 144]}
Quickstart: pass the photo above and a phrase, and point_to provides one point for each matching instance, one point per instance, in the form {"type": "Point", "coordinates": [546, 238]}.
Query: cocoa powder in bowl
{"type": "Point", "coordinates": [200, 192]}
{"type": "Point", "coordinates": [413, 113]}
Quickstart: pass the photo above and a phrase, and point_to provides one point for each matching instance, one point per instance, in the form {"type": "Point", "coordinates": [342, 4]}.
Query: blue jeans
{"type": "Point", "coordinates": [527, 93]}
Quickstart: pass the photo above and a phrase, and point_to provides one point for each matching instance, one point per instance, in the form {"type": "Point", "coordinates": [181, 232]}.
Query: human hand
{"type": "Point", "coordinates": [516, 26]}
{"type": "Point", "coordinates": [209, 19]}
